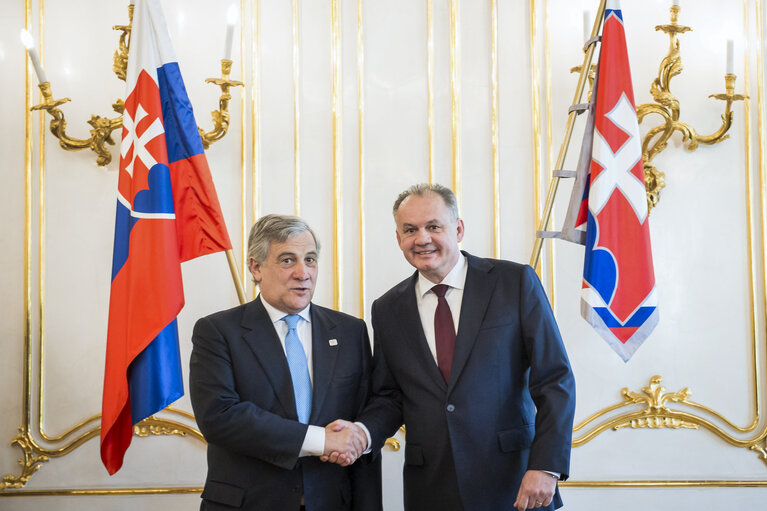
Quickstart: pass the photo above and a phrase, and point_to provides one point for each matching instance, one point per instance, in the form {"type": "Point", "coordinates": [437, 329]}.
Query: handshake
{"type": "Point", "coordinates": [344, 443]}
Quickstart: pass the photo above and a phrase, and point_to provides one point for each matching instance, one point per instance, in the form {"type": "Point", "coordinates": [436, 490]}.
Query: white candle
{"type": "Point", "coordinates": [132, 2]}
{"type": "Point", "coordinates": [586, 25]}
{"type": "Point", "coordinates": [29, 44]}
{"type": "Point", "coordinates": [675, 3]}
{"type": "Point", "coordinates": [730, 54]}
{"type": "Point", "coordinates": [231, 18]}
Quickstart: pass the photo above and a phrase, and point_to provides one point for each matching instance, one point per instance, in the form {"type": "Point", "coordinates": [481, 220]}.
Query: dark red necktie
{"type": "Point", "coordinates": [444, 332]}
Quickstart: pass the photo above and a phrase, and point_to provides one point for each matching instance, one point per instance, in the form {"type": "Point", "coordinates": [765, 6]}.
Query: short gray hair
{"type": "Point", "coordinates": [276, 228]}
{"type": "Point", "coordinates": [422, 189]}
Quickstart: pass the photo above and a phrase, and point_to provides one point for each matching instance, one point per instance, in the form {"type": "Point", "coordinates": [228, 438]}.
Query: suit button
{"type": "Point", "coordinates": [450, 408]}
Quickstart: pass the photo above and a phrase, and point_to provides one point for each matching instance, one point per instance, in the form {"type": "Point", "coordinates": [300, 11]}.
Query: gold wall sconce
{"type": "Point", "coordinates": [666, 105]}
{"type": "Point", "coordinates": [102, 127]}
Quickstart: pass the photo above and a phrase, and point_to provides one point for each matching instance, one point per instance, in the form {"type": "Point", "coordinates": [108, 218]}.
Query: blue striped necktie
{"type": "Point", "coordinates": [299, 369]}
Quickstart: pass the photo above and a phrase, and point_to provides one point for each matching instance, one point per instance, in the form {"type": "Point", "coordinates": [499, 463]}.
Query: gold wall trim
{"type": "Point", "coordinates": [455, 97]}
{"type": "Point", "coordinates": [34, 454]}
{"type": "Point", "coordinates": [243, 155]}
{"type": "Point", "coordinates": [750, 231]}
{"type": "Point", "coordinates": [430, 85]}
{"type": "Point", "coordinates": [762, 142]}
{"type": "Point", "coordinates": [103, 491]}
{"type": "Point", "coordinates": [255, 107]}
{"type": "Point", "coordinates": [664, 484]}
{"type": "Point", "coordinates": [551, 249]}
{"type": "Point", "coordinates": [336, 86]}
{"type": "Point", "coordinates": [361, 150]}
{"type": "Point", "coordinates": [494, 128]}
{"type": "Point", "coordinates": [565, 484]}
{"type": "Point", "coordinates": [296, 107]}
{"type": "Point", "coordinates": [27, 387]}
{"type": "Point", "coordinates": [536, 117]}
{"type": "Point", "coordinates": [41, 263]}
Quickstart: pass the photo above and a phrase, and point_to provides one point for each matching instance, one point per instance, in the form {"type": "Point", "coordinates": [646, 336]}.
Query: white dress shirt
{"type": "Point", "coordinates": [314, 441]}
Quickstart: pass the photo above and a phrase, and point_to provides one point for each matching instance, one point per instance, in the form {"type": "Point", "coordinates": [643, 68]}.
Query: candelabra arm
{"type": "Point", "coordinates": [220, 116]}
{"type": "Point", "coordinates": [101, 132]}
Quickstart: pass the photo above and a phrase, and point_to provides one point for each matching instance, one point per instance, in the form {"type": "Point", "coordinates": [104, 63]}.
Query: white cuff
{"type": "Point", "coordinates": [314, 442]}
{"type": "Point", "coordinates": [555, 474]}
{"type": "Point", "coordinates": [367, 435]}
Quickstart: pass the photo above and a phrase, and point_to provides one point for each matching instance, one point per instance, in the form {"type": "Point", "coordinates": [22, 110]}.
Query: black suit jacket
{"type": "Point", "coordinates": [243, 400]}
{"type": "Point", "coordinates": [507, 408]}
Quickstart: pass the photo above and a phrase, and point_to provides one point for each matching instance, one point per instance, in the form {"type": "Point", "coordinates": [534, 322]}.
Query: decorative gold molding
{"type": "Point", "coordinates": [656, 414]}
{"type": "Point", "coordinates": [337, 94]}
{"type": "Point", "coordinates": [297, 107]}
{"type": "Point", "coordinates": [34, 454]}
{"type": "Point", "coordinates": [361, 152]}
{"type": "Point", "coordinates": [152, 426]}
{"type": "Point", "coordinates": [430, 85]}
{"type": "Point", "coordinates": [536, 119]}
{"type": "Point", "coordinates": [455, 97]}
{"type": "Point", "coordinates": [663, 484]}
{"type": "Point", "coordinates": [495, 159]}
{"type": "Point", "coordinates": [30, 463]}
{"type": "Point", "coordinates": [103, 491]}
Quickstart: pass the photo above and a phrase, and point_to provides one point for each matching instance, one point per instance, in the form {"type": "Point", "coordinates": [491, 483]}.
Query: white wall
{"type": "Point", "coordinates": [707, 232]}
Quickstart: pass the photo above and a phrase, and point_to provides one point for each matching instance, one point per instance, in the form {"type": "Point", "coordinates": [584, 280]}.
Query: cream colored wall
{"type": "Point", "coordinates": [707, 232]}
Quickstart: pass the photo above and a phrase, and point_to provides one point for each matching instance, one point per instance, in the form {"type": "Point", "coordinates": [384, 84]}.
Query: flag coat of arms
{"type": "Point", "coordinates": [618, 295]}
{"type": "Point", "coordinates": [167, 213]}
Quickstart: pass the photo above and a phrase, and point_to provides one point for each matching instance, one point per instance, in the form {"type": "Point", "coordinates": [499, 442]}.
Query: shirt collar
{"type": "Point", "coordinates": [276, 315]}
{"type": "Point", "coordinates": [455, 278]}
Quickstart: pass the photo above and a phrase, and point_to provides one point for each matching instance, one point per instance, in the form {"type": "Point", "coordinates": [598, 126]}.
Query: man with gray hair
{"type": "Point", "coordinates": [268, 377]}
{"type": "Point", "coordinates": [469, 357]}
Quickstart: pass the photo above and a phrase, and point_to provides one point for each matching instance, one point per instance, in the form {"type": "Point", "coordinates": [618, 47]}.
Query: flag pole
{"type": "Point", "coordinates": [554, 183]}
{"type": "Point", "coordinates": [235, 276]}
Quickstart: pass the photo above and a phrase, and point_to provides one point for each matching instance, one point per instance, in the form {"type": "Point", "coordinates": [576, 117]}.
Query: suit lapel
{"type": "Point", "coordinates": [260, 335]}
{"type": "Point", "coordinates": [411, 323]}
{"type": "Point", "coordinates": [476, 296]}
{"type": "Point", "coordinates": [323, 357]}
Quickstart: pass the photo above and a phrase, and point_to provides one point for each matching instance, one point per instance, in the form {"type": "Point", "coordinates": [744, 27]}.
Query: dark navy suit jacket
{"type": "Point", "coordinates": [243, 400]}
{"type": "Point", "coordinates": [507, 408]}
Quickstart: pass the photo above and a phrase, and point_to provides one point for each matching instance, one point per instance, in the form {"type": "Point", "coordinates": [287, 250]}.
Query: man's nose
{"type": "Point", "coordinates": [422, 237]}
{"type": "Point", "coordinates": [300, 271]}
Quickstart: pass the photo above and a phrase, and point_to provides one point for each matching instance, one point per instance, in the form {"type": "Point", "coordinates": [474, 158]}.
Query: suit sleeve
{"type": "Point", "coordinates": [551, 383]}
{"type": "Point", "coordinates": [383, 414]}
{"type": "Point", "coordinates": [223, 417]}
{"type": "Point", "coordinates": [365, 473]}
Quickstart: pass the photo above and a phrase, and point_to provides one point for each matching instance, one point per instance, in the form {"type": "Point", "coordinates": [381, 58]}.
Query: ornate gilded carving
{"type": "Point", "coordinates": [120, 61]}
{"type": "Point", "coordinates": [655, 413]}
{"type": "Point", "coordinates": [30, 463]}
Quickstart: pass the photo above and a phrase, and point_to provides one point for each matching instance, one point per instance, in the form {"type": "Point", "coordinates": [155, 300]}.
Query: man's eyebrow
{"type": "Point", "coordinates": [285, 254]}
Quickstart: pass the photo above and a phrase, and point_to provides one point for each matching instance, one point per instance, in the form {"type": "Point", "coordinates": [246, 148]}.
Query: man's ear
{"type": "Point", "coordinates": [460, 230]}
{"type": "Point", "coordinates": [255, 269]}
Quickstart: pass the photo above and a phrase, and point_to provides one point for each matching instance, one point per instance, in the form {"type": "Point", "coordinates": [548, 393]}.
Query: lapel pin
{"type": "Point", "coordinates": [333, 342]}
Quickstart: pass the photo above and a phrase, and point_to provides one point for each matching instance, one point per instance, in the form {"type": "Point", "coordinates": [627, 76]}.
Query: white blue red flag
{"type": "Point", "coordinates": [167, 212]}
{"type": "Point", "coordinates": [618, 294]}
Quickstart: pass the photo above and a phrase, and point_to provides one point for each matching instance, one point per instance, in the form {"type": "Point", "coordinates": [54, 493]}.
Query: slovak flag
{"type": "Point", "coordinates": [167, 212]}
{"type": "Point", "coordinates": [618, 295]}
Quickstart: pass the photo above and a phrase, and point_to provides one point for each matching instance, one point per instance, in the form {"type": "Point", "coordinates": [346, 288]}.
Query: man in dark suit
{"type": "Point", "coordinates": [474, 367]}
{"type": "Point", "coordinates": [265, 377]}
